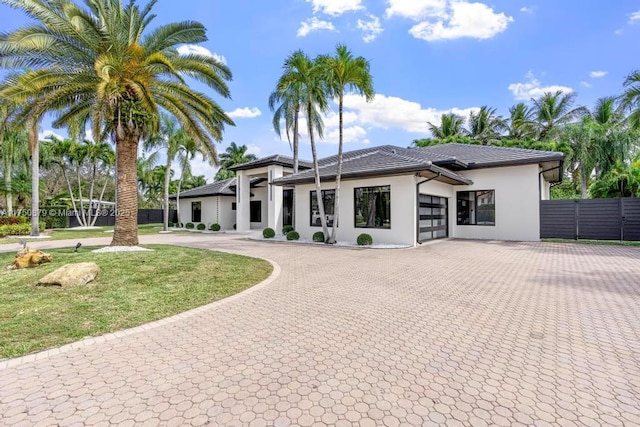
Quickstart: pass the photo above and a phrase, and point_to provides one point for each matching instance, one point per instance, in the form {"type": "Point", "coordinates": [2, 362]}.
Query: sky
{"type": "Point", "coordinates": [428, 57]}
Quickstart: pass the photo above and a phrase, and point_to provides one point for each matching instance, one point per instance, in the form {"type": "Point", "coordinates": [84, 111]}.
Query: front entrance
{"type": "Point", "coordinates": [287, 207]}
{"type": "Point", "coordinates": [433, 215]}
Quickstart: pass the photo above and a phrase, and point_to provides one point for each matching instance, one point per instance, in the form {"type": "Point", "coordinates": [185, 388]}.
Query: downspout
{"type": "Point", "coordinates": [418, 205]}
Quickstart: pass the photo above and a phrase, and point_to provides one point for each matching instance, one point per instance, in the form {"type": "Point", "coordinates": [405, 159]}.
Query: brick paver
{"type": "Point", "coordinates": [454, 332]}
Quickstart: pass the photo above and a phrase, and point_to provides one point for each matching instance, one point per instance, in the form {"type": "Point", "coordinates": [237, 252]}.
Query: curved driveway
{"type": "Point", "coordinates": [453, 332]}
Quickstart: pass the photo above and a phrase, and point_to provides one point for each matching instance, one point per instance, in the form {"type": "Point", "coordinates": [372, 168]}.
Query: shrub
{"type": "Point", "coordinates": [215, 227]}
{"type": "Point", "coordinates": [23, 229]}
{"type": "Point", "coordinates": [318, 236]}
{"type": "Point", "coordinates": [268, 233]}
{"type": "Point", "coordinates": [201, 227]}
{"type": "Point", "coordinates": [365, 239]}
{"type": "Point", "coordinates": [293, 235]}
{"type": "Point", "coordinates": [190, 225]}
{"type": "Point", "coordinates": [12, 220]}
{"type": "Point", "coordinates": [286, 229]}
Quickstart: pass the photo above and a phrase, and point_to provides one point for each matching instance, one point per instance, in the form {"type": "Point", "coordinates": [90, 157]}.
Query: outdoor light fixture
{"type": "Point", "coordinates": [75, 251]}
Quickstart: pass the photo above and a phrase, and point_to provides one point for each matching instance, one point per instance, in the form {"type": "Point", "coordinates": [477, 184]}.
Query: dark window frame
{"type": "Point", "coordinates": [475, 207]}
{"type": "Point", "coordinates": [312, 198]}
{"type": "Point", "coordinates": [199, 210]}
{"type": "Point", "coordinates": [355, 208]}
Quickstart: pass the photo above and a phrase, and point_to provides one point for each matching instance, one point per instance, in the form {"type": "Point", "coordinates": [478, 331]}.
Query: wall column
{"type": "Point", "coordinates": [274, 198]}
{"type": "Point", "coordinates": [243, 197]}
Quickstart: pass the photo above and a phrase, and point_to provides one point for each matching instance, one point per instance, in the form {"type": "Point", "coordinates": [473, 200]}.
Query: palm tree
{"type": "Point", "coordinates": [485, 125]}
{"type": "Point", "coordinates": [13, 151]}
{"type": "Point", "coordinates": [173, 139]}
{"type": "Point", "coordinates": [100, 63]}
{"type": "Point", "coordinates": [232, 156]}
{"type": "Point", "coordinates": [521, 122]}
{"type": "Point", "coordinates": [450, 125]}
{"type": "Point", "coordinates": [303, 74]}
{"type": "Point", "coordinates": [344, 72]}
{"type": "Point", "coordinates": [553, 110]}
{"type": "Point", "coordinates": [631, 98]}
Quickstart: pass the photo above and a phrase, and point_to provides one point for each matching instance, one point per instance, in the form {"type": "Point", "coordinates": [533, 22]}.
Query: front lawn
{"type": "Point", "coordinates": [132, 288]}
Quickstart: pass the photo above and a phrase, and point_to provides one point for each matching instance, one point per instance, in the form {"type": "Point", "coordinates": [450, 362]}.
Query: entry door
{"type": "Point", "coordinates": [287, 207]}
{"type": "Point", "coordinates": [433, 213]}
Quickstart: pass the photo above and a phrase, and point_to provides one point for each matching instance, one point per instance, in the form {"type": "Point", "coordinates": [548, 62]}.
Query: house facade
{"type": "Point", "coordinates": [397, 195]}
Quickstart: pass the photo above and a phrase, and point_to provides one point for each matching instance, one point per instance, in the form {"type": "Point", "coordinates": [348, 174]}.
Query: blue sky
{"type": "Point", "coordinates": [427, 57]}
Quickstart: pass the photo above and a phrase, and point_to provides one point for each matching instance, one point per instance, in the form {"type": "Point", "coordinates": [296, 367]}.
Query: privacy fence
{"type": "Point", "coordinates": [593, 219]}
{"type": "Point", "coordinates": [107, 217]}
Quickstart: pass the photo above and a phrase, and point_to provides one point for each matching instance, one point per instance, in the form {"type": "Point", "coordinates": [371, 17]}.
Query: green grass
{"type": "Point", "coordinates": [69, 233]}
{"type": "Point", "coordinates": [132, 288]}
{"type": "Point", "coordinates": [594, 242]}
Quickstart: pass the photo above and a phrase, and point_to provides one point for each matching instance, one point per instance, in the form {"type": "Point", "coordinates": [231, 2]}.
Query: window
{"type": "Point", "coordinates": [233, 206]}
{"type": "Point", "coordinates": [476, 207]}
{"type": "Point", "coordinates": [328, 200]}
{"type": "Point", "coordinates": [372, 207]}
{"type": "Point", "coordinates": [196, 212]}
{"type": "Point", "coordinates": [255, 208]}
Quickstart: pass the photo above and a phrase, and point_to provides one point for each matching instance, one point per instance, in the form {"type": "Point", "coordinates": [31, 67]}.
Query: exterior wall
{"type": "Point", "coordinates": [403, 212]}
{"type": "Point", "coordinates": [545, 189]}
{"type": "Point", "coordinates": [226, 216]}
{"type": "Point", "coordinates": [517, 200]}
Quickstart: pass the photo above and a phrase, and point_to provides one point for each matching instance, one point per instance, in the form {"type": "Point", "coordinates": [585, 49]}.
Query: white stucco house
{"type": "Point", "coordinates": [397, 195]}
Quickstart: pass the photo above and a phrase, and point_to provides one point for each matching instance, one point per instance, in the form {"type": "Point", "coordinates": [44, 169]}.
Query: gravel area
{"type": "Point", "coordinates": [121, 249]}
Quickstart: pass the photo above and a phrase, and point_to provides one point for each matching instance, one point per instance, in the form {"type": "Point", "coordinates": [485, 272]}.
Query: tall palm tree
{"type": "Point", "coordinates": [631, 98]}
{"type": "Point", "coordinates": [172, 138]}
{"type": "Point", "coordinates": [303, 74]}
{"type": "Point", "coordinates": [100, 63]}
{"type": "Point", "coordinates": [485, 125]}
{"type": "Point", "coordinates": [522, 124]}
{"type": "Point", "coordinates": [232, 156]}
{"type": "Point", "coordinates": [450, 125]}
{"type": "Point", "coordinates": [553, 110]}
{"type": "Point", "coordinates": [13, 151]}
{"type": "Point", "coordinates": [344, 73]}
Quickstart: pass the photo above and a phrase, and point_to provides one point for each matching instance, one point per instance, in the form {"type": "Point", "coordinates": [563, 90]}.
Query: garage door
{"type": "Point", "coordinates": [433, 212]}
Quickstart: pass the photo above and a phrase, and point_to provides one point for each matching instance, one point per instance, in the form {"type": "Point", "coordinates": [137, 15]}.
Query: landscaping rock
{"type": "Point", "coordinates": [29, 258]}
{"type": "Point", "coordinates": [71, 275]}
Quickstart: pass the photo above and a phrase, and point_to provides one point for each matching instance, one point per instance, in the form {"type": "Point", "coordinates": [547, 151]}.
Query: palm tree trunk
{"type": "Point", "coordinates": [167, 182]}
{"type": "Point", "coordinates": [295, 141]}
{"type": "Point", "coordinates": [93, 180]}
{"type": "Point", "coordinates": [316, 169]}
{"type": "Point", "coordinates": [178, 200]}
{"type": "Point", "coordinates": [126, 228]}
{"type": "Point", "coordinates": [8, 166]}
{"type": "Point", "coordinates": [35, 180]}
{"type": "Point", "coordinates": [80, 198]}
{"type": "Point", "coordinates": [583, 183]}
{"type": "Point", "coordinates": [73, 199]}
{"type": "Point", "coordinates": [104, 187]}
{"type": "Point", "coordinates": [336, 205]}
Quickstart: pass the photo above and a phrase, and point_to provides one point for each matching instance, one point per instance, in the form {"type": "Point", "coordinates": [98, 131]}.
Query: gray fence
{"type": "Point", "coordinates": [145, 216]}
{"type": "Point", "coordinates": [594, 219]}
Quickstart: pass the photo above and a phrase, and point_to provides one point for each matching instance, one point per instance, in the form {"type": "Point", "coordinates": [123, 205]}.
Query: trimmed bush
{"type": "Point", "coordinates": [215, 227]}
{"type": "Point", "coordinates": [286, 229]}
{"type": "Point", "coordinates": [202, 227]}
{"type": "Point", "coordinates": [268, 233]}
{"type": "Point", "coordinates": [365, 240]}
{"type": "Point", "coordinates": [318, 236]}
{"type": "Point", "coordinates": [190, 226]}
{"type": "Point", "coordinates": [23, 229]}
{"type": "Point", "coordinates": [13, 220]}
{"type": "Point", "coordinates": [293, 235]}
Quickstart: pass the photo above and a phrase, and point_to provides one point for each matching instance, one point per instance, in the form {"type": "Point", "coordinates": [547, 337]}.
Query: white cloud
{"type": "Point", "coordinates": [534, 89]}
{"type": "Point", "coordinates": [634, 17]}
{"type": "Point", "coordinates": [314, 24]}
{"type": "Point", "coordinates": [526, 9]}
{"type": "Point", "coordinates": [245, 113]}
{"type": "Point", "coordinates": [586, 84]}
{"type": "Point", "coordinates": [254, 149]}
{"type": "Point", "coordinates": [393, 112]}
{"type": "Point", "coordinates": [47, 133]}
{"type": "Point", "coordinates": [199, 166]}
{"type": "Point", "coordinates": [188, 49]}
{"type": "Point", "coordinates": [416, 9]}
{"type": "Point", "coordinates": [335, 7]}
{"type": "Point", "coordinates": [474, 20]}
{"type": "Point", "coordinates": [597, 74]}
{"type": "Point", "coordinates": [370, 29]}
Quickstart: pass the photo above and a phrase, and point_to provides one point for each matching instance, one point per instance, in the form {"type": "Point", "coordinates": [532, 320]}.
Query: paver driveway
{"type": "Point", "coordinates": [455, 332]}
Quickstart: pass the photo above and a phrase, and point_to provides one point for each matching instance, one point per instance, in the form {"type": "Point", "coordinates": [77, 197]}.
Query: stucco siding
{"type": "Point", "coordinates": [517, 204]}
{"type": "Point", "coordinates": [403, 212]}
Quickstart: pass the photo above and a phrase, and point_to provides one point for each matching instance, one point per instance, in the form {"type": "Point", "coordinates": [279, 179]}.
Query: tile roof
{"type": "Point", "coordinates": [276, 159]}
{"type": "Point", "coordinates": [218, 188]}
{"type": "Point", "coordinates": [478, 156]}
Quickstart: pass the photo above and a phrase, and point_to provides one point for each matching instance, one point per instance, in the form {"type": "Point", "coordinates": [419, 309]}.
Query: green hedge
{"type": "Point", "coordinates": [365, 239]}
{"type": "Point", "coordinates": [293, 235]}
{"type": "Point", "coordinates": [286, 229]}
{"type": "Point", "coordinates": [18, 229]}
{"type": "Point", "coordinates": [215, 227]}
{"type": "Point", "coordinates": [268, 233]}
{"type": "Point", "coordinates": [318, 236]}
{"type": "Point", "coordinates": [12, 220]}
{"type": "Point", "coordinates": [190, 226]}
{"type": "Point", "coordinates": [201, 227]}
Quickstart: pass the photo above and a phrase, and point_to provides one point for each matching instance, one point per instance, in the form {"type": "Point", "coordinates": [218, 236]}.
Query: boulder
{"type": "Point", "coordinates": [71, 275]}
{"type": "Point", "coordinates": [29, 258]}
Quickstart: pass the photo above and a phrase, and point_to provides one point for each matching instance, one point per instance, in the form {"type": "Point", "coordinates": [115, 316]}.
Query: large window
{"type": "Point", "coordinates": [196, 212]}
{"type": "Point", "coordinates": [476, 207]}
{"type": "Point", "coordinates": [372, 207]}
{"type": "Point", "coordinates": [255, 210]}
{"type": "Point", "coordinates": [328, 200]}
